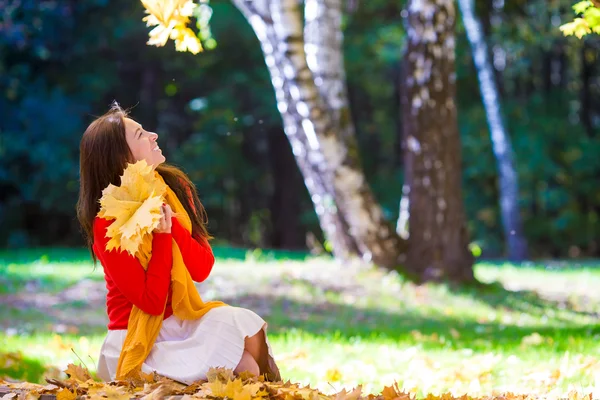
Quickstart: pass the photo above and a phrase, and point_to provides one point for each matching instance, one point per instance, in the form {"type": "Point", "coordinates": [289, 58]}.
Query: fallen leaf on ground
{"type": "Point", "coordinates": [77, 373]}
{"type": "Point", "coordinates": [66, 394]}
{"type": "Point", "coordinates": [221, 374]}
{"type": "Point", "coordinates": [352, 395]}
{"type": "Point", "coordinates": [223, 385]}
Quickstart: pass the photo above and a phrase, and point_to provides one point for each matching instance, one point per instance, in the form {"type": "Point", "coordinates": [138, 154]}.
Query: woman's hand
{"type": "Point", "coordinates": [164, 226]}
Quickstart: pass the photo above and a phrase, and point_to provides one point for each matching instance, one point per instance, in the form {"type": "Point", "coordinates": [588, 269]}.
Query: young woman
{"type": "Point", "coordinates": [184, 350]}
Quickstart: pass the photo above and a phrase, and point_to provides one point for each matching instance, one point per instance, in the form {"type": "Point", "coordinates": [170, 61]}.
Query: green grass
{"type": "Point", "coordinates": [22, 368]}
{"type": "Point", "coordinates": [58, 268]}
{"type": "Point", "coordinates": [44, 269]}
{"type": "Point", "coordinates": [532, 328]}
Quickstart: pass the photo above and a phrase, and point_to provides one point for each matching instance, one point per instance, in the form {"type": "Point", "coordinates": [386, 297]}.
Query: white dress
{"type": "Point", "coordinates": [186, 349]}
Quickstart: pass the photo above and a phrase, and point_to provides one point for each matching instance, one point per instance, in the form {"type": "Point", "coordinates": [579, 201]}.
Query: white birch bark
{"type": "Point", "coordinates": [311, 125]}
{"type": "Point", "coordinates": [299, 133]}
{"type": "Point", "coordinates": [501, 143]}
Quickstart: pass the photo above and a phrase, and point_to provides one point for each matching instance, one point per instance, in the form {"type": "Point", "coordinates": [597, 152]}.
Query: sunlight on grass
{"type": "Point", "coordinates": [330, 364]}
{"type": "Point", "coordinates": [533, 328]}
{"type": "Point", "coordinates": [334, 364]}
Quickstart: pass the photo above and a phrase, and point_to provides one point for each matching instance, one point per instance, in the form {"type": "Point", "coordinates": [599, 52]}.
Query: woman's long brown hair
{"type": "Point", "coordinates": [103, 156]}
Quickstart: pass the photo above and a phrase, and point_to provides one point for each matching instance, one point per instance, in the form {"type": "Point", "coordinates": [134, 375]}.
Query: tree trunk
{"type": "Point", "coordinates": [300, 134]}
{"type": "Point", "coordinates": [507, 175]}
{"type": "Point", "coordinates": [438, 240]}
{"type": "Point", "coordinates": [323, 40]}
{"type": "Point", "coordinates": [323, 155]}
{"type": "Point", "coordinates": [324, 94]}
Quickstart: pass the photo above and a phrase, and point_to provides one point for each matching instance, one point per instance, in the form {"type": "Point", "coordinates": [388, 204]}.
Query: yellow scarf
{"type": "Point", "coordinates": [143, 328]}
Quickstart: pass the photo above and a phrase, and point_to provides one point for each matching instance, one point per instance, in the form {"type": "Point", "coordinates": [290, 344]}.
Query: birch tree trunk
{"type": "Point", "coordinates": [312, 127]}
{"type": "Point", "coordinates": [323, 45]}
{"type": "Point", "coordinates": [502, 147]}
{"type": "Point", "coordinates": [438, 237]}
{"type": "Point", "coordinates": [300, 134]}
{"type": "Point", "coordinates": [323, 41]}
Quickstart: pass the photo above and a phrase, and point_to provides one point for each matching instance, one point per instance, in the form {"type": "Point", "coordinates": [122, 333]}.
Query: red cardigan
{"type": "Point", "coordinates": [127, 281]}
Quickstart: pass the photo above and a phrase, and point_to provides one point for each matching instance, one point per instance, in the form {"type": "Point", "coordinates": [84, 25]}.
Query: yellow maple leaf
{"type": "Point", "coordinates": [161, 10]}
{"type": "Point", "coordinates": [578, 27]}
{"type": "Point", "coordinates": [77, 373]}
{"type": "Point", "coordinates": [109, 392]}
{"type": "Point", "coordinates": [219, 374]}
{"type": "Point", "coordinates": [161, 389]}
{"type": "Point", "coordinates": [135, 208]}
{"type": "Point", "coordinates": [225, 389]}
{"type": "Point", "coordinates": [66, 394]}
{"type": "Point", "coordinates": [394, 393]}
{"type": "Point", "coordinates": [353, 395]}
{"type": "Point", "coordinates": [171, 19]}
{"type": "Point", "coordinates": [186, 40]}
{"type": "Point", "coordinates": [236, 390]}
{"type": "Point", "coordinates": [255, 389]}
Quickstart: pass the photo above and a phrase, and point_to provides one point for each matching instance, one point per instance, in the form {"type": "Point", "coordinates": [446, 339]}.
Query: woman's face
{"type": "Point", "coordinates": [143, 144]}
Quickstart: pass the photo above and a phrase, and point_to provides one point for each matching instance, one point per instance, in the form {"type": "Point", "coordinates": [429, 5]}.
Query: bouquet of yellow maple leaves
{"type": "Point", "coordinates": [135, 208]}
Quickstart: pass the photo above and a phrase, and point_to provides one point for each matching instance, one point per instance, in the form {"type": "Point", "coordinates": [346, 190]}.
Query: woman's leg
{"type": "Point", "coordinates": [256, 346]}
{"type": "Point", "coordinates": [247, 363]}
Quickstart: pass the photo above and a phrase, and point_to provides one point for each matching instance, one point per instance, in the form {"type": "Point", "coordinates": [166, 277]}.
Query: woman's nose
{"type": "Point", "coordinates": [153, 136]}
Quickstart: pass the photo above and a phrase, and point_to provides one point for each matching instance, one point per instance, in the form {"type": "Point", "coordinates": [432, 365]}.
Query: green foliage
{"type": "Point", "coordinates": [216, 115]}
{"type": "Point", "coordinates": [556, 162]}
{"type": "Point", "coordinates": [203, 14]}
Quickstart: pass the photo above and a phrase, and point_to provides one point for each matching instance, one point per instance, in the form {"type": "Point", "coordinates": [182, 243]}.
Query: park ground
{"type": "Point", "coordinates": [534, 328]}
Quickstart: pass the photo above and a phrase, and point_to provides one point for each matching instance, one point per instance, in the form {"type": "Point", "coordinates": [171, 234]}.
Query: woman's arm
{"type": "Point", "coordinates": [146, 289]}
{"type": "Point", "coordinates": [198, 257]}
